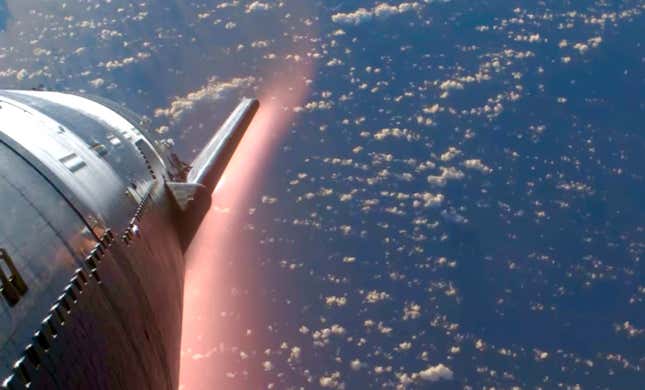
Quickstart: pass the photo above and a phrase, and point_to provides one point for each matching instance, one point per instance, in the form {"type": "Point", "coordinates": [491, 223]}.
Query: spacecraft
{"type": "Point", "coordinates": [94, 225]}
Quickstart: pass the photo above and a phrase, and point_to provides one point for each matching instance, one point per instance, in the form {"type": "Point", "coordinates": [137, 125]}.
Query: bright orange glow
{"type": "Point", "coordinates": [206, 331]}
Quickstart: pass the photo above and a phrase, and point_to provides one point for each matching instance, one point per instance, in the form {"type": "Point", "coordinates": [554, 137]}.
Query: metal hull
{"type": "Point", "coordinates": [92, 235]}
{"type": "Point", "coordinates": [117, 323]}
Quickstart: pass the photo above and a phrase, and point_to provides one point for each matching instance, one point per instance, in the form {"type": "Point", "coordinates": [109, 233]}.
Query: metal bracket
{"type": "Point", "coordinates": [13, 285]}
{"type": "Point", "coordinates": [193, 201]}
{"type": "Point", "coordinates": [185, 194]}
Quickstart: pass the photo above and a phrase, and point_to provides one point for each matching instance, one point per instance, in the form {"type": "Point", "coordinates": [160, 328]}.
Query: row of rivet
{"type": "Point", "coordinates": [148, 165]}
{"type": "Point", "coordinates": [34, 355]}
{"type": "Point", "coordinates": [132, 230]}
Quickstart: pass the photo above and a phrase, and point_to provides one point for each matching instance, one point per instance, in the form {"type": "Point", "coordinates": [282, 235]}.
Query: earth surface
{"type": "Point", "coordinates": [441, 194]}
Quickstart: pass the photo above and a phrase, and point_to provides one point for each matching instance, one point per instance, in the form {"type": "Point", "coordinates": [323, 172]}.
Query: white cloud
{"type": "Point", "coordinates": [357, 17]}
{"type": "Point", "coordinates": [295, 354]}
{"type": "Point", "coordinates": [449, 173]}
{"type": "Point", "coordinates": [269, 200]}
{"type": "Point", "coordinates": [381, 12]}
{"type": "Point", "coordinates": [451, 84]}
{"type": "Point", "coordinates": [451, 153]}
{"type": "Point", "coordinates": [395, 133]}
{"type": "Point", "coordinates": [335, 301]}
{"type": "Point", "coordinates": [384, 11]}
{"type": "Point", "coordinates": [583, 47]}
{"type": "Point", "coordinates": [436, 373]}
{"type": "Point", "coordinates": [428, 199]}
{"type": "Point", "coordinates": [214, 90]}
{"type": "Point", "coordinates": [477, 165]}
{"type": "Point", "coordinates": [411, 311]}
{"type": "Point", "coordinates": [376, 296]}
{"type": "Point", "coordinates": [432, 109]}
{"type": "Point", "coordinates": [97, 83]}
{"type": "Point", "coordinates": [430, 374]}
{"type": "Point", "coordinates": [257, 6]}
{"type": "Point", "coordinates": [332, 381]}
{"type": "Point", "coordinates": [321, 337]}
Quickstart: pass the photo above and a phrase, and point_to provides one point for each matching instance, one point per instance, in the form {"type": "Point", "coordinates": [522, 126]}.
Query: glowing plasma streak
{"type": "Point", "coordinates": [206, 334]}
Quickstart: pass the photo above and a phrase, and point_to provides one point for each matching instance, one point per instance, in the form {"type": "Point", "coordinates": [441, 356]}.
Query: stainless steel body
{"type": "Point", "coordinates": [91, 246]}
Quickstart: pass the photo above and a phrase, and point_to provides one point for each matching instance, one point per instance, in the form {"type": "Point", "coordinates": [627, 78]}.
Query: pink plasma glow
{"type": "Point", "coordinates": [209, 338]}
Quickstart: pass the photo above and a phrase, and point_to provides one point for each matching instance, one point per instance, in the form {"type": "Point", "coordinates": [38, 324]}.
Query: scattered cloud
{"type": "Point", "coordinates": [257, 6]}
{"type": "Point", "coordinates": [213, 91]}
{"type": "Point", "coordinates": [436, 373]}
{"type": "Point", "coordinates": [477, 165]}
{"type": "Point", "coordinates": [379, 12]}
